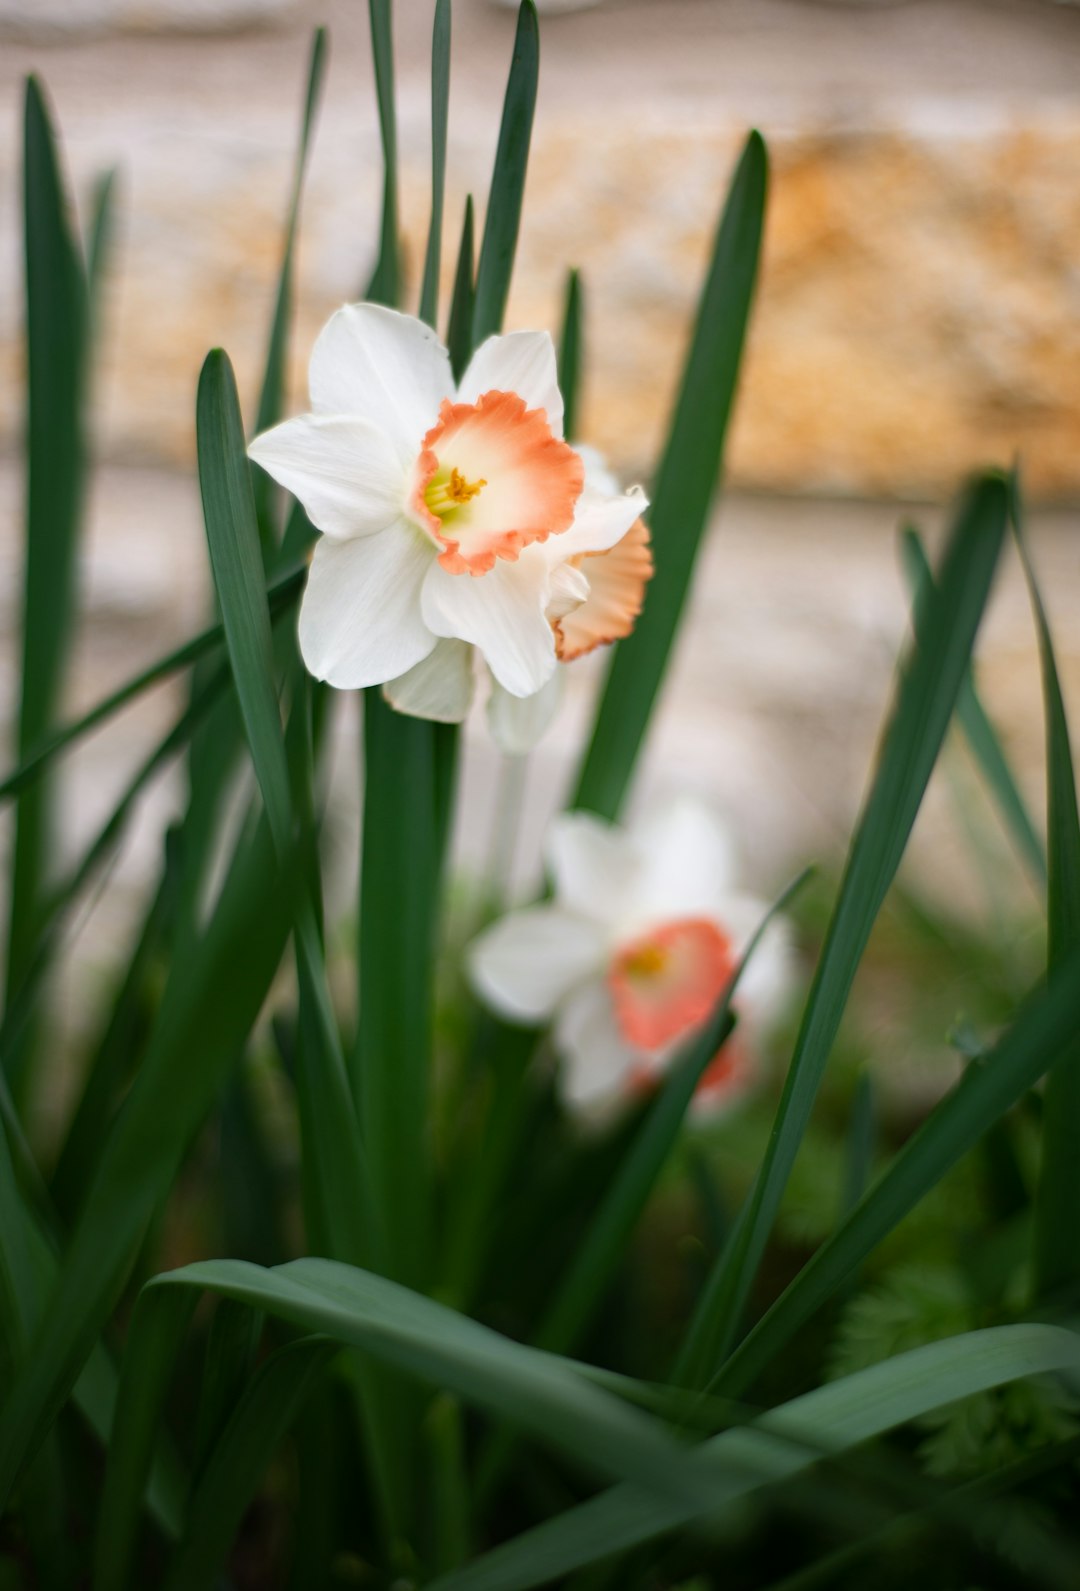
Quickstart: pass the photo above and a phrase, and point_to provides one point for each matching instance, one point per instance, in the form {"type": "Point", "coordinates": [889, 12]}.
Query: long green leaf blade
{"type": "Point", "coordinates": [233, 538]}
{"type": "Point", "coordinates": [780, 1445]}
{"type": "Point", "coordinates": [440, 111]}
{"type": "Point", "coordinates": [981, 735]}
{"type": "Point", "coordinates": [270, 1404]}
{"type": "Point", "coordinates": [56, 335]}
{"type": "Point", "coordinates": [684, 488]}
{"type": "Point", "coordinates": [424, 1338]}
{"type": "Point", "coordinates": [385, 284]}
{"type": "Point", "coordinates": [990, 1087]}
{"type": "Point", "coordinates": [459, 326]}
{"type": "Point", "coordinates": [503, 219]}
{"type": "Point", "coordinates": [572, 352]}
{"type": "Point", "coordinates": [281, 595]}
{"type": "Point", "coordinates": [925, 699]}
{"type": "Point", "coordinates": [399, 889]}
{"type": "Point", "coordinates": [209, 1005]}
{"type": "Point", "coordinates": [1057, 1204]}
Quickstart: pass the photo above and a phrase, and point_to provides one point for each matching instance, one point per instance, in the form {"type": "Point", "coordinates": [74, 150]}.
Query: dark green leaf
{"type": "Point", "coordinates": [988, 1089]}
{"type": "Point", "coordinates": [282, 595]}
{"type": "Point", "coordinates": [1057, 1204]}
{"type": "Point", "coordinates": [781, 1444]}
{"type": "Point", "coordinates": [981, 735]}
{"type": "Point", "coordinates": [503, 219]}
{"type": "Point", "coordinates": [440, 110]}
{"type": "Point", "coordinates": [56, 338]}
{"type": "Point", "coordinates": [263, 1415]}
{"type": "Point", "coordinates": [233, 538]}
{"type": "Point", "coordinates": [385, 284]}
{"type": "Point", "coordinates": [684, 489]}
{"type": "Point", "coordinates": [459, 329]}
{"type": "Point", "coordinates": [925, 699]}
{"type": "Point", "coordinates": [571, 354]}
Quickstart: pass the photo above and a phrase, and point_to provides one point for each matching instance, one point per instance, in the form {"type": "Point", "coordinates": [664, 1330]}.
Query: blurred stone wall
{"type": "Point", "coordinates": [920, 302]}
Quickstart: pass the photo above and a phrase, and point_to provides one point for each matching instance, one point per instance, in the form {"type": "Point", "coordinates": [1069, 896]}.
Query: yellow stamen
{"type": "Point", "coordinates": [445, 493]}
{"type": "Point", "coordinates": [648, 961]}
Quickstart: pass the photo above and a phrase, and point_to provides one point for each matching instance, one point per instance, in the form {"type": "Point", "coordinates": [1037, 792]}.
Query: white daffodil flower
{"type": "Point", "coordinates": [428, 496]}
{"type": "Point", "coordinates": [594, 600]}
{"type": "Point", "coordinates": [630, 957]}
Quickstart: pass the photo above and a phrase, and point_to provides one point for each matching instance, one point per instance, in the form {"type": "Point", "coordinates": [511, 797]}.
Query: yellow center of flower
{"type": "Point", "coordinates": [646, 961]}
{"type": "Point", "coordinates": [449, 490]}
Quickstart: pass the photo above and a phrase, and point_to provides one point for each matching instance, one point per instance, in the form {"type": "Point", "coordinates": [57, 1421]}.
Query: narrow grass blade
{"type": "Point", "coordinates": [210, 1002]}
{"type": "Point", "coordinates": [445, 1431]}
{"type": "Point", "coordinates": [231, 1347]}
{"type": "Point", "coordinates": [113, 1059]}
{"type": "Point", "coordinates": [56, 338]}
{"type": "Point", "coordinates": [459, 329]}
{"type": "Point", "coordinates": [150, 1353]}
{"type": "Point", "coordinates": [503, 219]}
{"type": "Point", "coordinates": [94, 1393]}
{"type": "Point", "coordinates": [272, 393]}
{"type": "Point", "coordinates": [385, 284]}
{"type": "Point", "coordinates": [782, 1444]}
{"type": "Point", "coordinates": [543, 1393]}
{"type": "Point", "coordinates": [16, 1281]}
{"type": "Point", "coordinates": [684, 488]}
{"type": "Point", "coordinates": [262, 1417]}
{"type": "Point", "coordinates": [332, 1139]}
{"type": "Point", "coordinates": [571, 353]}
{"type": "Point", "coordinates": [440, 111]}
{"type": "Point", "coordinates": [925, 698]}
{"type": "Point", "coordinates": [399, 890]}
{"type": "Point", "coordinates": [233, 538]}
{"type": "Point", "coordinates": [990, 1086]}
{"type": "Point", "coordinates": [20, 1010]}
{"type": "Point", "coordinates": [282, 596]}
{"type": "Point", "coordinates": [981, 735]}
{"type": "Point", "coordinates": [98, 245]}
{"type": "Point", "coordinates": [1057, 1202]}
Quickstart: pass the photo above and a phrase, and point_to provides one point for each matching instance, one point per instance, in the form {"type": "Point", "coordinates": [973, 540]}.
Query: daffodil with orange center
{"type": "Point", "coordinates": [631, 956]}
{"type": "Point", "coordinates": [594, 598]}
{"type": "Point", "coordinates": [450, 513]}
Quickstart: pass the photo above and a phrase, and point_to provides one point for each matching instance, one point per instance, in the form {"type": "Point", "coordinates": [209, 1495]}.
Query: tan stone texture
{"type": "Point", "coordinates": [920, 303]}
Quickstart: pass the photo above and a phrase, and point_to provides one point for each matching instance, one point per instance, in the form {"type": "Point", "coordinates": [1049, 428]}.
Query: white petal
{"type": "Point", "coordinates": [599, 522]}
{"type": "Point", "coordinates": [569, 588]}
{"type": "Point", "coordinates": [387, 368]}
{"type": "Point", "coordinates": [597, 1062]}
{"type": "Point", "coordinates": [688, 863]}
{"type": "Point", "coordinates": [518, 722]}
{"type": "Point", "coordinates": [346, 472]}
{"type": "Point", "coordinates": [598, 478]}
{"type": "Point", "coordinates": [502, 613]}
{"type": "Point", "coordinates": [360, 620]}
{"type": "Point", "coordinates": [595, 866]}
{"type": "Point", "coordinates": [527, 962]}
{"type": "Point", "coordinates": [440, 688]}
{"type": "Point", "coordinates": [521, 362]}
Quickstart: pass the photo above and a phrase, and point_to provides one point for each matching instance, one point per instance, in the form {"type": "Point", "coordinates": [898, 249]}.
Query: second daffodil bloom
{"type": "Point", "coordinates": [449, 513]}
{"type": "Point", "coordinates": [632, 954]}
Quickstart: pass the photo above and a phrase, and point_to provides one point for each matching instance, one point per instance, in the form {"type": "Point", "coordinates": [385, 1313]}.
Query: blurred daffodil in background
{"type": "Point", "coordinates": [644, 933]}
